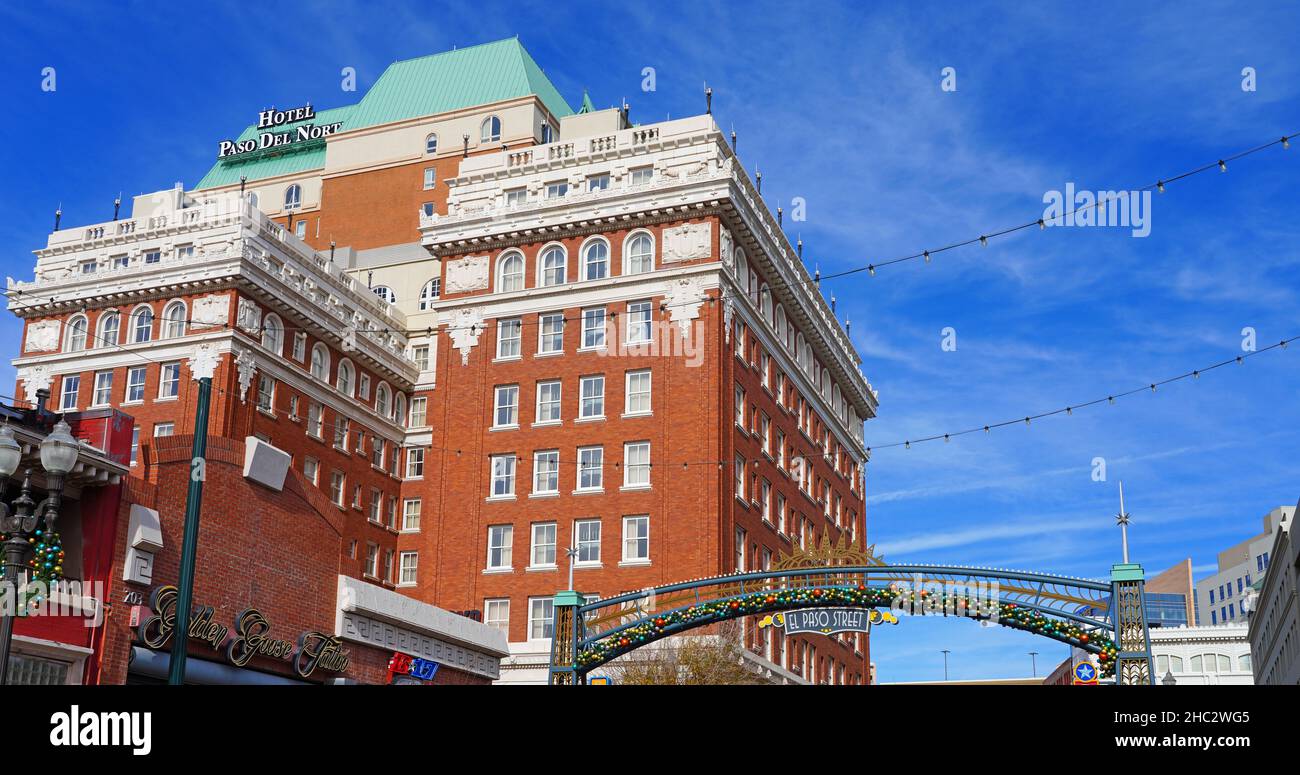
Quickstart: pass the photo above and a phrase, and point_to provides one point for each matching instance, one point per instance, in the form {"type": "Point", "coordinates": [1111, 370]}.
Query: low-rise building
{"type": "Point", "coordinates": [1222, 597]}
{"type": "Point", "coordinates": [1275, 614]}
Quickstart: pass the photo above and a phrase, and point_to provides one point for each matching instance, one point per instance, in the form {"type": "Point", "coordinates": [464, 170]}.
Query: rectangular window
{"type": "Point", "coordinates": [135, 444]}
{"type": "Point", "coordinates": [593, 328]}
{"type": "Point", "coordinates": [556, 190]}
{"type": "Point", "coordinates": [508, 334]}
{"type": "Point", "coordinates": [516, 197]}
{"type": "Point", "coordinates": [408, 564]}
{"type": "Point", "coordinates": [636, 464]}
{"type": "Point", "coordinates": [103, 388]}
{"type": "Point", "coordinates": [591, 468]}
{"type": "Point", "coordinates": [765, 432]}
{"type": "Point", "coordinates": [363, 387]}
{"type": "Point", "coordinates": [152, 256]}
{"type": "Point", "coordinates": [765, 500]}
{"type": "Point", "coordinates": [315, 420]}
{"type": "Point", "coordinates": [500, 544]}
{"type": "Point", "coordinates": [163, 429]}
{"type": "Point", "coordinates": [419, 412]}
{"type": "Point", "coordinates": [430, 177]}
{"type": "Point", "coordinates": [415, 463]}
{"type": "Point", "coordinates": [598, 182]}
{"type": "Point", "coordinates": [740, 407]}
{"type": "Point", "coordinates": [496, 613]}
{"type": "Point", "coordinates": [593, 396]}
{"type": "Point", "coordinates": [587, 541]}
{"type": "Point", "coordinates": [300, 347]}
{"type": "Point", "coordinates": [550, 333]}
{"type": "Point", "coordinates": [71, 387]}
{"type": "Point", "coordinates": [506, 407]}
{"type": "Point", "coordinates": [169, 382]}
{"type": "Point", "coordinates": [636, 538]}
{"type": "Point", "coordinates": [376, 506]}
{"type": "Point", "coordinates": [411, 514]}
{"type": "Point", "coordinates": [342, 429]}
{"type": "Point", "coordinates": [548, 401]}
{"type": "Point", "coordinates": [372, 559]}
{"type": "Point", "coordinates": [642, 175]}
{"type": "Point", "coordinates": [546, 472]}
{"type": "Point", "coordinates": [543, 545]}
{"type": "Point", "coordinates": [420, 354]}
{"type": "Point", "coordinates": [780, 450]}
{"type": "Point", "coordinates": [780, 513]}
{"type": "Point", "coordinates": [740, 477]}
{"type": "Point", "coordinates": [378, 448]}
{"type": "Point", "coordinates": [541, 613]}
{"type": "Point", "coordinates": [765, 369]}
{"type": "Point", "coordinates": [639, 322]}
{"type": "Point", "coordinates": [503, 476]}
{"type": "Point", "coordinates": [311, 470]}
{"type": "Point", "coordinates": [740, 549]}
{"type": "Point", "coordinates": [265, 393]}
{"type": "Point", "coordinates": [637, 398]}
{"type": "Point", "coordinates": [135, 383]}
{"type": "Point", "coordinates": [337, 489]}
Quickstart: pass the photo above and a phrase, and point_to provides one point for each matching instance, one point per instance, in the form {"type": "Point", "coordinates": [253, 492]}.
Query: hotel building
{"type": "Point", "coordinates": [485, 329]}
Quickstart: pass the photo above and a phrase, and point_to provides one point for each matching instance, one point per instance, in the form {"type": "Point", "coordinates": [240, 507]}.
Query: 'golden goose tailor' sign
{"type": "Point", "coordinates": [249, 638]}
{"type": "Point", "coordinates": [270, 119]}
{"type": "Point", "coordinates": [827, 621]}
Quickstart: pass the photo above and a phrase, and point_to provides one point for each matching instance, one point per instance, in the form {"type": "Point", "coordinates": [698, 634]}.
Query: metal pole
{"type": "Point", "coordinates": [13, 559]}
{"type": "Point", "coordinates": [945, 664]}
{"type": "Point", "coordinates": [189, 546]}
{"type": "Point", "coordinates": [1033, 660]}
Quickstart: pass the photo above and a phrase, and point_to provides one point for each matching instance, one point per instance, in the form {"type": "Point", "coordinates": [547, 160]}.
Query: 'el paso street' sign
{"type": "Point", "coordinates": [270, 119]}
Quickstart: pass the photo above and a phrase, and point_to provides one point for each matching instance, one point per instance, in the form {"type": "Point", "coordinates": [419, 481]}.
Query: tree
{"type": "Point", "coordinates": [688, 660]}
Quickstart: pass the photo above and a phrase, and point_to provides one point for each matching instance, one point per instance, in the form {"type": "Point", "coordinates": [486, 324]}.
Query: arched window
{"type": "Point", "coordinates": [320, 363]}
{"type": "Point", "coordinates": [110, 327]}
{"type": "Point", "coordinates": [399, 408]}
{"type": "Point", "coordinates": [510, 273]}
{"type": "Point", "coordinates": [174, 320]}
{"type": "Point", "coordinates": [430, 292]}
{"type": "Point", "coordinates": [742, 271]}
{"type": "Point", "coordinates": [385, 293]}
{"type": "Point", "coordinates": [431, 143]}
{"type": "Point", "coordinates": [381, 400]}
{"type": "Point", "coordinates": [765, 302]}
{"type": "Point", "coordinates": [781, 326]}
{"type": "Point", "coordinates": [595, 260]}
{"type": "Point", "coordinates": [638, 254]}
{"type": "Point", "coordinates": [78, 327]}
{"type": "Point", "coordinates": [293, 197]}
{"type": "Point", "coordinates": [554, 266]}
{"type": "Point", "coordinates": [142, 325]}
{"type": "Point", "coordinates": [273, 334]}
{"type": "Point", "coordinates": [491, 130]}
{"type": "Point", "coordinates": [344, 379]}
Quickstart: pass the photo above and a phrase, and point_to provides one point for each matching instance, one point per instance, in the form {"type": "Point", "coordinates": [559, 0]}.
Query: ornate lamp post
{"type": "Point", "coordinates": [21, 520]}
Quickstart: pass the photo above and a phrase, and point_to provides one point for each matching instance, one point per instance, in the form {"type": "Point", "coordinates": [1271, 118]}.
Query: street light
{"type": "Point", "coordinates": [946, 652]}
{"type": "Point", "coordinates": [1169, 679]}
{"type": "Point", "coordinates": [22, 522]}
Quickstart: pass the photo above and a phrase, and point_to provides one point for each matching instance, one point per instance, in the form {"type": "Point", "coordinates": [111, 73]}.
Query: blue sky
{"type": "Point", "coordinates": [842, 106]}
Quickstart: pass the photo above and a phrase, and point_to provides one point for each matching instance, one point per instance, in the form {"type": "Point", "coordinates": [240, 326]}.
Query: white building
{"type": "Point", "coordinates": [1222, 598]}
{"type": "Point", "coordinates": [1275, 614]}
{"type": "Point", "coordinates": [1202, 656]}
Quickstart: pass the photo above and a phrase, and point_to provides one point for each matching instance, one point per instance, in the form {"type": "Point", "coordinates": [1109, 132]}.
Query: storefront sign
{"type": "Point", "coordinates": [270, 119]}
{"type": "Point", "coordinates": [251, 637]}
{"type": "Point", "coordinates": [828, 621]}
{"type": "Point", "coordinates": [406, 665]}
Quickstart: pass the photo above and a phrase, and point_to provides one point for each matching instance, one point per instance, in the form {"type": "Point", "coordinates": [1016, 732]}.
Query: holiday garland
{"type": "Point", "coordinates": [861, 596]}
{"type": "Point", "coordinates": [46, 564]}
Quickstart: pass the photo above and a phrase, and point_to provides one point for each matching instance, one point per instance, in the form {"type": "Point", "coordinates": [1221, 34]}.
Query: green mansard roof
{"type": "Point", "coordinates": [425, 86]}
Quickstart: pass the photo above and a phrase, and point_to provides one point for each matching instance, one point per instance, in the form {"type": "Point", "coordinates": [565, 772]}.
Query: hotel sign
{"type": "Point", "coordinates": [268, 121]}
{"type": "Point", "coordinates": [249, 637]}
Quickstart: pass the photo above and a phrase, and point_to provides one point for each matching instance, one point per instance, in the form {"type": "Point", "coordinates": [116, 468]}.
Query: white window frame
{"type": "Point", "coordinates": [501, 539]}
{"type": "Point", "coordinates": [550, 458]}
{"type": "Point", "coordinates": [552, 319]}
{"type": "Point", "coordinates": [536, 544]}
{"type": "Point", "coordinates": [629, 539]}
{"type": "Point", "coordinates": [510, 333]}
{"type": "Point", "coordinates": [581, 542]}
{"type": "Point", "coordinates": [542, 409]}
{"type": "Point", "coordinates": [503, 470]}
{"type": "Point", "coordinates": [595, 398]}
{"type": "Point", "coordinates": [631, 396]}
{"type": "Point", "coordinates": [411, 516]}
{"type": "Point", "coordinates": [590, 459]}
{"type": "Point", "coordinates": [505, 399]}
{"type": "Point", "coordinates": [636, 476]}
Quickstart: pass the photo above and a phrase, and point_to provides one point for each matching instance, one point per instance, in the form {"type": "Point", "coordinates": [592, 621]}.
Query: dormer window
{"type": "Point", "coordinates": [490, 132]}
{"type": "Point", "coordinates": [293, 197]}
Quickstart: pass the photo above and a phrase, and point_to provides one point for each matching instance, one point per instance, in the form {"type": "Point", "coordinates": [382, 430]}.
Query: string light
{"type": "Point", "coordinates": [1069, 410]}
